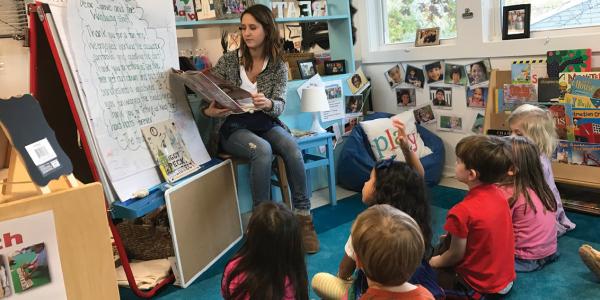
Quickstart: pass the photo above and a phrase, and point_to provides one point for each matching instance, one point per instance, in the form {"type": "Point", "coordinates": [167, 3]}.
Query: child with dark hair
{"type": "Point", "coordinates": [270, 264]}
{"type": "Point", "coordinates": [400, 185]}
{"type": "Point", "coordinates": [537, 125]}
{"type": "Point", "coordinates": [434, 72]}
{"type": "Point", "coordinates": [481, 247]}
{"type": "Point", "coordinates": [389, 248]}
{"type": "Point", "coordinates": [533, 208]}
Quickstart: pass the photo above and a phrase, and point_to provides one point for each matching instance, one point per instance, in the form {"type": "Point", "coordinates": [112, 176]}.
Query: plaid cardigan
{"type": "Point", "coordinates": [272, 82]}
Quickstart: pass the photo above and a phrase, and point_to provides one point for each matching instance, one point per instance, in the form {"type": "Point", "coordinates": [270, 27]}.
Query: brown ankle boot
{"type": "Point", "coordinates": [591, 258]}
{"type": "Point", "coordinates": [309, 236]}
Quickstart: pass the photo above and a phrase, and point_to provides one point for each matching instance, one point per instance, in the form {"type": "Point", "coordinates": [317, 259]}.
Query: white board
{"type": "Point", "coordinates": [121, 52]}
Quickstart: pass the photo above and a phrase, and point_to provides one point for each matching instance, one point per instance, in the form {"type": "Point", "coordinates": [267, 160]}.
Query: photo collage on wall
{"type": "Point", "coordinates": [441, 82]}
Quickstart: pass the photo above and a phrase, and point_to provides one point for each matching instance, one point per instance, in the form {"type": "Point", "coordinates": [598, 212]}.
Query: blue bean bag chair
{"type": "Point", "coordinates": [356, 158]}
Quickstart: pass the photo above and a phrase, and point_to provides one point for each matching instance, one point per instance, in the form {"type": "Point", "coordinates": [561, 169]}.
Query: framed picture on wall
{"type": "Point", "coordinates": [515, 21]}
{"type": "Point", "coordinates": [231, 9]}
{"type": "Point", "coordinates": [427, 37]}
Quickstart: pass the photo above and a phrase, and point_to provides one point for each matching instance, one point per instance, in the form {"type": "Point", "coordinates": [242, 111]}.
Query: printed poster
{"type": "Point", "coordinates": [30, 265]}
{"type": "Point", "coordinates": [333, 90]}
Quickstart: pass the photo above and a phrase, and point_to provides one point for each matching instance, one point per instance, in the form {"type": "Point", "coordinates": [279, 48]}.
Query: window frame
{"type": "Point", "coordinates": [484, 40]}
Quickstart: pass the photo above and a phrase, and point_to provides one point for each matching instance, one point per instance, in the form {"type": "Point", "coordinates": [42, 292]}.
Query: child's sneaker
{"type": "Point", "coordinates": [591, 258]}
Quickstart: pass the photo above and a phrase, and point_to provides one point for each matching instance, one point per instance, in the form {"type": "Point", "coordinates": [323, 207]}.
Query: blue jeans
{"type": "Point", "coordinates": [530, 265]}
{"type": "Point", "coordinates": [259, 149]}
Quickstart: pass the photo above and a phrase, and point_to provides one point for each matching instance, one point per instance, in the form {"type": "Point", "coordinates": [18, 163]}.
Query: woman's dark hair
{"type": "Point", "coordinates": [272, 44]}
{"type": "Point", "coordinates": [433, 65]}
{"type": "Point", "coordinates": [440, 91]}
{"type": "Point", "coordinates": [272, 252]}
{"type": "Point", "coordinates": [401, 187]}
{"type": "Point", "coordinates": [528, 174]}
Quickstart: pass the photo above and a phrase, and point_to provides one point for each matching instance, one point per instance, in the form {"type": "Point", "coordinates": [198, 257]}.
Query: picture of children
{"type": "Point", "coordinates": [441, 97]}
{"type": "Point", "coordinates": [424, 115]}
{"type": "Point", "coordinates": [427, 37]}
{"type": "Point", "coordinates": [414, 76]}
{"type": "Point", "coordinates": [478, 72]}
{"type": "Point", "coordinates": [405, 97]}
{"type": "Point", "coordinates": [476, 97]}
{"type": "Point", "coordinates": [455, 74]}
{"type": "Point", "coordinates": [4, 282]}
{"type": "Point", "coordinates": [516, 21]}
{"type": "Point", "coordinates": [357, 81]}
{"type": "Point", "coordinates": [307, 69]}
{"type": "Point", "coordinates": [29, 268]}
{"type": "Point", "coordinates": [354, 104]}
{"type": "Point", "coordinates": [450, 123]}
{"type": "Point", "coordinates": [335, 67]}
{"type": "Point", "coordinates": [434, 72]}
{"type": "Point", "coordinates": [478, 124]}
{"type": "Point", "coordinates": [394, 75]}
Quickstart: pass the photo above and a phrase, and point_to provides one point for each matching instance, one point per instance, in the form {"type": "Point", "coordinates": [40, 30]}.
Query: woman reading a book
{"type": "Point", "coordinates": [257, 67]}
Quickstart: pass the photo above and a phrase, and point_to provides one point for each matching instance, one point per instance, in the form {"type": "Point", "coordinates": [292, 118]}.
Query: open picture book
{"type": "Point", "coordinates": [214, 88]}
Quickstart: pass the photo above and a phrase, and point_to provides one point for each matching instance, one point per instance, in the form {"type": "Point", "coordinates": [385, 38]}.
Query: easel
{"type": "Point", "coordinates": [51, 83]}
{"type": "Point", "coordinates": [79, 223]}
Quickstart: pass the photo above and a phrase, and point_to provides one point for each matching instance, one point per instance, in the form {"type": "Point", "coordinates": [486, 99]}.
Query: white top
{"type": "Point", "coordinates": [246, 83]}
{"type": "Point", "coordinates": [349, 249]}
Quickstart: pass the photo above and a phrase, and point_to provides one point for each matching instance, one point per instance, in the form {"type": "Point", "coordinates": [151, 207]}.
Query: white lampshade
{"type": "Point", "coordinates": [314, 99]}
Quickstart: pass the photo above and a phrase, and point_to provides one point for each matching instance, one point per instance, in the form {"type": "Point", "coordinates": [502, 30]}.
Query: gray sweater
{"type": "Point", "coordinates": [272, 82]}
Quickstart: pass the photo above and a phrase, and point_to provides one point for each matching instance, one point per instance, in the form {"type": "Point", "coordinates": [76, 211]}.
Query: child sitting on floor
{"type": "Point", "coordinates": [395, 183]}
{"type": "Point", "coordinates": [389, 248]}
{"type": "Point", "coordinates": [481, 247]}
{"type": "Point", "coordinates": [270, 264]}
{"type": "Point", "coordinates": [533, 208]}
{"type": "Point", "coordinates": [538, 125]}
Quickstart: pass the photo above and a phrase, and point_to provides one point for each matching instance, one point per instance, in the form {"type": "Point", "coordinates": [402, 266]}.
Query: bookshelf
{"type": "Point", "coordinates": [582, 177]}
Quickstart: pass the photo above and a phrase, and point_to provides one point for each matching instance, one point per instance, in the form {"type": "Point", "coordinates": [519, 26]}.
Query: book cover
{"type": "Point", "coordinates": [548, 90]}
{"type": "Point", "coordinates": [585, 154]}
{"type": "Point", "coordinates": [586, 86]}
{"type": "Point", "coordinates": [169, 150]}
{"type": "Point", "coordinates": [581, 101]}
{"type": "Point", "coordinates": [184, 10]}
{"type": "Point", "coordinates": [566, 78]}
{"type": "Point", "coordinates": [538, 71]}
{"type": "Point", "coordinates": [562, 114]}
{"type": "Point", "coordinates": [517, 94]}
{"type": "Point", "coordinates": [586, 123]}
{"type": "Point", "coordinates": [520, 73]}
{"type": "Point", "coordinates": [576, 60]}
{"type": "Point", "coordinates": [214, 88]}
{"type": "Point", "coordinates": [562, 153]}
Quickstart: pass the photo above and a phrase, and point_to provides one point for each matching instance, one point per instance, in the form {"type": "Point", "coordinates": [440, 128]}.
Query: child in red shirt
{"type": "Point", "coordinates": [482, 245]}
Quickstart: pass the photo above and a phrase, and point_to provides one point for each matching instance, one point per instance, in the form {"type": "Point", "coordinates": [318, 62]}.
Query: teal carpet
{"type": "Point", "coordinates": [568, 278]}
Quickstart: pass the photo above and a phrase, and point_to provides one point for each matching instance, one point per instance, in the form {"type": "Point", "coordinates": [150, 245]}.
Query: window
{"type": "Point", "coordinates": [402, 18]}
{"type": "Point", "coordinates": [560, 14]}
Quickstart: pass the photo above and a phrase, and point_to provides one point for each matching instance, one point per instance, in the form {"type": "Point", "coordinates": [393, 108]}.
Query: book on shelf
{"type": "Point", "coordinates": [548, 90]}
{"type": "Point", "coordinates": [562, 113]}
{"type": "Point", "coordinates": [586, 86]}
{"type": "Point", "coordinates": [577, 153]}
{"type": "Point", "coordinates": [214, 88]}
{"type": "Point", "coordinates": [169, 150]}
{"type": "Point", "coordinates": [514, 95]}
{"type": "Point", "coordinates": [581, 101]}
{"type": "Point", "coordinates": [586, 123]}
{"type": "Point", "coordinates": [576, 60]}
{"type": "Point", "coordinates": [566, 78]}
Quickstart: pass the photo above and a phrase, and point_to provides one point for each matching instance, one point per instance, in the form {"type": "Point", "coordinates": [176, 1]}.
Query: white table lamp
{"type": "Point", "coordinates": [314, 100]}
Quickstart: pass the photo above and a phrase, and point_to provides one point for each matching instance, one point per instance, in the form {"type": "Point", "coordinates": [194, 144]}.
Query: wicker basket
{"type": "Point", "coordinates": [293, 58]}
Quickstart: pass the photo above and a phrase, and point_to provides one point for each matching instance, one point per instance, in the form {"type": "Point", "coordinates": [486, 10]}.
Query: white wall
{"type": "Point", "coordinates": [384, 98]}
{"type": "Point", "coordinates": [14, 68]}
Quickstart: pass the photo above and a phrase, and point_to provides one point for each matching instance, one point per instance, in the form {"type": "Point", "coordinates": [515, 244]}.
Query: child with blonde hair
{"type": "Point", "coordinates": [538, 125]}
{"type": "Point", "coordinates": [533, 208]}
{"type": "Point", "coordinates": [389, 248]}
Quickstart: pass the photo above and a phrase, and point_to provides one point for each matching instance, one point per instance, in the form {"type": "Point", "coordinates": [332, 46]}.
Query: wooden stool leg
{"type": "Point", "coordinates": [283, 182]}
